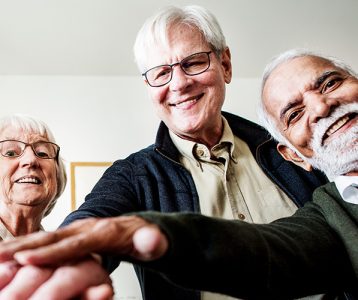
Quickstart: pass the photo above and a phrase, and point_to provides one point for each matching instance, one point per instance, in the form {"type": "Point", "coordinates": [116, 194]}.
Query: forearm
{"type": "Point", "coordinates": [293, 257]}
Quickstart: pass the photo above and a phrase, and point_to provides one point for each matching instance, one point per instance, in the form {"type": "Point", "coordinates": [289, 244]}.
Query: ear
{"type": "Point", "coordinates": [290, 155]}
{"type": "Point", "coordinates": [226, 64]}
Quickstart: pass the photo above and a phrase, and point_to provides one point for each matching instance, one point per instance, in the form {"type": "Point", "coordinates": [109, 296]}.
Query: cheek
{"type": "Point", "coordinates": [51, 179]}
{"type": "Point", "coordinates": [300, 138]}
{"type": "Point", "coordinates": [157, 95]}
{"type": "Point", "coordinates": [216, 83]}
{"type": "Point", "coordinates": [347, 93]}
{"type": "Point", "coordinates": [6, 173]}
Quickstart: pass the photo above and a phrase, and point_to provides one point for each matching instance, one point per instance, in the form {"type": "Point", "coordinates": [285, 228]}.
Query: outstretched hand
{"type": "Point", "coordinates": [128, 235]}
{"type": "Point", "coordinates": [58, 265]}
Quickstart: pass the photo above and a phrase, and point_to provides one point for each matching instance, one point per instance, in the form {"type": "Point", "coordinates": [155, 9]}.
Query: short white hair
{"type": "Point", "coordinates": [31, 125]}
{"type": "Point", "coordinates": [155, 30]}
{"type": "Point", "coordinates": [265, 119]}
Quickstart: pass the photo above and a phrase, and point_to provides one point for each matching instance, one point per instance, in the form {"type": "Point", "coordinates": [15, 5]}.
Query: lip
{"type": "Point", "coordinates": [343, 123]}
{"type": "Point", "coordinates": [28, 179]}
{"type": "Point", "coordinates": [188, 102]}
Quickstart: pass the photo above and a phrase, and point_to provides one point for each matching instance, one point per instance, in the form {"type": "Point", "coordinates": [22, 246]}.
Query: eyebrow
{"type": "Point", "coordinates": [287, 107]}
{"type": "Point", "coordinates": [317, 83]}
{"type": "Point", "coordinates": [323, 77]}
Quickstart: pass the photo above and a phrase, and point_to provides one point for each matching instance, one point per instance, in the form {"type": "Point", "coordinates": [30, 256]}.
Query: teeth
{"type": "Point", "coordinates": [338, 125]}
{"type": "Point", "coordinates": [185, 102]}
{"type": "Point", "coordinates": [28, 180]}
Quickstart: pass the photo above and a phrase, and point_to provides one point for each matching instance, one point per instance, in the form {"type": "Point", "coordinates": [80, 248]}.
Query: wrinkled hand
{"type": "Point", "coordinates": [85, 280]}
{"type": "Point", "coordinates": [127, 235]}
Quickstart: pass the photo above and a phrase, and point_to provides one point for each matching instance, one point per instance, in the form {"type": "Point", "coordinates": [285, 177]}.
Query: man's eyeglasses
{"type": "Point", "coordinates": [192, 65]}
{"type": "Point", "coordinates": [14, 148]}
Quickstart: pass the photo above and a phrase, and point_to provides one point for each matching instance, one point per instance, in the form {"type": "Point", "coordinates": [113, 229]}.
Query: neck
{"type": "Point", "coordinates": [208, 137]}
{"type": "Point", "coordinates": [19, 223]}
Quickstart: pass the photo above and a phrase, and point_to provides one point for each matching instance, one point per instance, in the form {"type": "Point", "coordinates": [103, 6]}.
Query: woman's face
{"type": "Point", "coordinates": [26, 181]}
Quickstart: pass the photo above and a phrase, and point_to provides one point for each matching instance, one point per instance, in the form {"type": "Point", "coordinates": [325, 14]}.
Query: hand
{"type": "Point", "coordinates": [85, 279]}
{"type": "Point", "coordinates": [128, 235]}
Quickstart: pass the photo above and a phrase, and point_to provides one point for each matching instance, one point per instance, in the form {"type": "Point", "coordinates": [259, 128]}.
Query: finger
{"type": "Point", "coordinates": [149, 243]}
{"type": "Point", "coordinates": [8, 271]}
{"type": "Point", "coordinates": [108, 235]}
{"type": "Point", "coordinates": [72, 281]}
{"type": "Point", "coordinates": [25, 282]}
{"type": "Point", "coordinates": [101, 292]}
{"type": "Point", "coordinates": [35, 240]}
{"type": "Point", "coordinates": [75, 247]}
{"type": "Point", "coordinates": [40, 239]}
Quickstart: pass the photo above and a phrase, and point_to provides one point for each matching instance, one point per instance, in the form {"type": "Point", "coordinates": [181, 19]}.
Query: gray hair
{"type": "Point", "coordinates": [263, 116]}
{"type": "Point", "coordinates": [29, 124]}
{"type": "Point", "coordinates": [155, 30]}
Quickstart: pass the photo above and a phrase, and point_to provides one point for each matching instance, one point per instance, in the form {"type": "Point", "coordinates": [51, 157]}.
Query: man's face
{"type": "Point", "coordinates": [189, 105]}
{"type": "Point", "coordinates": [314, 105]}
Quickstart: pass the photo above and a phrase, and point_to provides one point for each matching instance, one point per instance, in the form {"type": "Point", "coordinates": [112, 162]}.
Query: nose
{"type": "Point", "coordinates": [180, 80]}
{"type": "Point", "coordinates": [320, 106]}
{"type": "Point", "coordinates": [28, 158]}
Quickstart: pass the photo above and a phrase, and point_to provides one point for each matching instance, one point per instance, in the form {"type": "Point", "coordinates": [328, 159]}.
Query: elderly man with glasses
{"type": "Point", "coordinates": [203, 160]}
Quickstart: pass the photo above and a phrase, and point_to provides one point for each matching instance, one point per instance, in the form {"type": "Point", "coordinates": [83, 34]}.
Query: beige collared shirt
{"type": "Point", "coordinates": [230, 183]}
{"type": "Point", "coordinates": [5, 234]}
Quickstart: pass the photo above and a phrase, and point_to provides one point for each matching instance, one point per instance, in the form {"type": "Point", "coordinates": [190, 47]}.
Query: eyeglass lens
{"type": "Point", "coordinates": [13, 148]}
{"type": "Point", "coordinates": [191, 65]}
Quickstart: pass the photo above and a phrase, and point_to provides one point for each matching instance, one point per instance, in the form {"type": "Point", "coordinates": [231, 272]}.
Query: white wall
{"type": "Point", "coordinates": [99, 118]}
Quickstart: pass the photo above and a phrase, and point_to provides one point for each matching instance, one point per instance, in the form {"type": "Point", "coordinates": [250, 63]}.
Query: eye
{"type": "Point", "coordinates": [294, 116]}
{"type": "Point", "coordinates": [331, 84]}
{"type": "Point", "coordinates": [42, 154]}
{"type": "Point", "coordinates": [192, 64]}
{"type": "Point", "coordinates": [162, 73]}
{"type": "Point", "coordinates": [11, 153]}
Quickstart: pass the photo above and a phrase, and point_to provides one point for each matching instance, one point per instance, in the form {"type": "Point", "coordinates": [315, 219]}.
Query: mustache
{"type": "Point", "coordinates": [336, 119]}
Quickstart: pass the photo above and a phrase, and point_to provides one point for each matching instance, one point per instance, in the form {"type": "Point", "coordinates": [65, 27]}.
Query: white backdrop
{"type": "Point", "coordinates": [100, 119]}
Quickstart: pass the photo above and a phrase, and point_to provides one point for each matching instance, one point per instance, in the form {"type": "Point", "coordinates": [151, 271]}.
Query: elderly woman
{"type": "Point", "coordinates": [32, 175]}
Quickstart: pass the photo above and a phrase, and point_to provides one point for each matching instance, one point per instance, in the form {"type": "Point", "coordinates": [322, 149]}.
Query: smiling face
{"type": "Point", "coordinates": [26, 181]}
{"type": "Point", "coordinates": [190, 105]}
{"type": "Point", "coordinates": [308, 98]}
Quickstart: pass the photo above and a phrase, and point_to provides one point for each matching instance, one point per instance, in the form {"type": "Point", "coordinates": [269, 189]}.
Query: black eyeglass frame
{"type": "Point", "coordinates": [180, 64]}
{"type": "Point", "coordinates": [33, 149]}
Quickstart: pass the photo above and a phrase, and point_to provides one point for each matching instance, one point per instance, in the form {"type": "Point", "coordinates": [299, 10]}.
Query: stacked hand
{"type": "Point", "coordinates": [61, 264]}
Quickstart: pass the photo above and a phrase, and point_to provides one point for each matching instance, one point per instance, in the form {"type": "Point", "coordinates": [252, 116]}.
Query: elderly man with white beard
{"type": "Point", "coordinates": [310, 106]}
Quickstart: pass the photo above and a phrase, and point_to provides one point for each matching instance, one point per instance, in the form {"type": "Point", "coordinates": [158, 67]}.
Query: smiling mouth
{"type": "Point", "coordinates": [29, 179]}
{"type": "Point", "coordinates": [187, 101]}
{"type": "Point", "coordinates": [338, 125]}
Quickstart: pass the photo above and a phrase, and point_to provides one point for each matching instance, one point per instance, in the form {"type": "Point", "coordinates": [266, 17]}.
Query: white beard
{"type": "Point", "coordinates": [340, 155]}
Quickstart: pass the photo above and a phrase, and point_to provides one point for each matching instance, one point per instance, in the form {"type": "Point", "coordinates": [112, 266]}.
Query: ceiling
{"type": "Point", "coordinates": [95, 37]}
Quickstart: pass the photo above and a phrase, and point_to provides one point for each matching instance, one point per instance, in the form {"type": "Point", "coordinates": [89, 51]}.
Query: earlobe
{"type": "Point", "coordinates": [226, 63]}
{"type": "Point", "coordinates": [290, 155]}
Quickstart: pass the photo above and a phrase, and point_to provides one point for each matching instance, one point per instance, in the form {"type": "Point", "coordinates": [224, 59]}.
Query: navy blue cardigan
{"type": "Point", "coordinates": [153, 179]}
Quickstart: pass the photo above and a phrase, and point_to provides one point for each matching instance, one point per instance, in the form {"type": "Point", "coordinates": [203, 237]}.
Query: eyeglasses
{"type": "Point", "coordinates": [14, 148]}
{"type": "Point", "coordinates": [194, 64]}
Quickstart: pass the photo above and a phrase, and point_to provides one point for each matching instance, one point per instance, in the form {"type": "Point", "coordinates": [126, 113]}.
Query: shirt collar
{"type": "Point", "coordinates": [188, 148]}
{"type": "Point", "coordinates": [348, 188]}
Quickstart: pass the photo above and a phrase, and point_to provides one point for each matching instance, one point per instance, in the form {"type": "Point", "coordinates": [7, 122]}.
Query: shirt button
{"type": "Point", "coordinates": [241, 217]}
{"type": "Point", "coordinates": [200, 152]}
